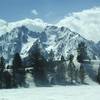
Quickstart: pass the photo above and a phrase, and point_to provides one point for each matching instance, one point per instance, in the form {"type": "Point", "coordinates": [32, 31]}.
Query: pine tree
{"type": "Point", "coordinates": [7, 79]}
{"type": "Point", "coordinates": [40, 70]}
{"type": "Point", "coordinates": [2, 67]}
{"type": "Point", "coordinates": [18, 71]}
{"type": "Point", "coordinates": [2, 63]}
{"type": "Point", "coordinates": [17, 62]}
{"type": "Point", "coordinates": [62, 58]}
{"type": "Point", "coordinates": [82, 53]}
{"type": "Point", "coordinates": [61, 71]}
{"type": "Point", "coordinates": [71, 68]}
{"type": "Point", "coordinates": [98, 75]}
{"type": "Point", "coordinates": [82, 74]}
{"type": "Point", "coordinates": [51, 67]}
{"type": "Point", "coordinates": [82, 56]}
{"type": "Point", "coordinates": [51, 56]}
{"type": "Point", "coordinates": [76, 75]}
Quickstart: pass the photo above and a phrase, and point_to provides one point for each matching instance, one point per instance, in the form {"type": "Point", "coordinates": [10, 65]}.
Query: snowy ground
{"type": "Point", "coordinates": [53, 93]}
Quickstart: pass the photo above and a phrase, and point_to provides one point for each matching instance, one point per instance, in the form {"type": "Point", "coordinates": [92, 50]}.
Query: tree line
{"type": "Point", "coordinates": [45, 71]}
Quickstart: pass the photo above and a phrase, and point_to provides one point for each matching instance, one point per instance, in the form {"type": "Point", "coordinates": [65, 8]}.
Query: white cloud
{"type": "Point", "coordinates": [34, 12]}
{"type": "Point", "coordinates": [86, 22]}
{"type": "Point", "coordinates": [36, 24]}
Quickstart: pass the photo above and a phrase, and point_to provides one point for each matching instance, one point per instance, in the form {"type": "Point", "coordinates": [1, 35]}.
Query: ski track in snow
{"type": "Point", "coordinates": [52, 93]}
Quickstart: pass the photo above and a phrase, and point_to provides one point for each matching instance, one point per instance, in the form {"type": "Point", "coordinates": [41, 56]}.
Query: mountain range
{"type": "Point", "coordinates": [20, 37]}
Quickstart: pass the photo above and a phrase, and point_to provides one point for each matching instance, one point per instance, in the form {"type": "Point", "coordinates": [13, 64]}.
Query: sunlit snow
{"type": "Point", "coordinates": [52, 93]}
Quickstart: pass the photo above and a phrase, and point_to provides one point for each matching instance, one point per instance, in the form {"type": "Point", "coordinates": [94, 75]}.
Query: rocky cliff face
{"type": "Point", "coordinates": [62, 40]}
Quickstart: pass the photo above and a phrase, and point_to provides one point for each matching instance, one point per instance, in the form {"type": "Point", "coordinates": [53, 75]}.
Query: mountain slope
{"type": "Point", "coordinates": [62, 40]}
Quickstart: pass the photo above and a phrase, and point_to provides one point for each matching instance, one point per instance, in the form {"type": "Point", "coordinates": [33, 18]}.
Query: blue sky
{"type": "Point", "coordinates": [49, 10]}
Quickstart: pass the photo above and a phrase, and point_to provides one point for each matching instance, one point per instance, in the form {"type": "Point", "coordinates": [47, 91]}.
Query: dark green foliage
{"type": "Point", "coordinates": [51, 56]}
{"type": "Point", "coordinates": [51, 67]}
{"type": "Point", "coordinates": [61, 71]}
{"type": "Point", "coordinates": [2, 67]}
{"type": "Point", "coordinates": [2, 64]}
{"type": "Point", "coordinates": [82, 56]}
{"type": "Point", "coordinates": [17, 62]}
{"type": "Point", "coordinates": [82, 53]}
{"type": "Point", "coordinates": [7, 80]}
{"type": "Point", "coordinates": [82, 73]}
{"type": "Point", "coordinates": [45, 72]}
{"type": "Point", "coordinates": [98, 75]}
{"type": "Point", "coordinates": [76, 75]}
{"type": "Point", "coordinates": [5, 76]}
{"type": "Point", "coordinates": [18, 71]}
{"type": "Point", "coordinates": [71, 57]}
{"type": "Point", "coordinates": [62, 58]}
{"type": "Point", "coordinates": [40, 70]}
{"type": "Point", "coordinates": [71, 69]}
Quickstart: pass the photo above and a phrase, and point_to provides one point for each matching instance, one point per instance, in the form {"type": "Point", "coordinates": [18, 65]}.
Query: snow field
{"type": "Point", "coordinates": [83, 92]}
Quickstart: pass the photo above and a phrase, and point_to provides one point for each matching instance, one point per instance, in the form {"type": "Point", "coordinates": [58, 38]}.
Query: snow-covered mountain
{"type": "Point", "coordinates": [20, 37]}
{"type": "Point", "coordinates": [35, 25]}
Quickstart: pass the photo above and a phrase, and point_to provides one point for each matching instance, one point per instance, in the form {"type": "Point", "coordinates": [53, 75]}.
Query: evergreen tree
{"type": "Point", "coordinates": [51, 64]}
{"type": "Point", "coordinates": [18, 71]}
{"type": "Point", "coordinates": [76, 75]}
{"type": "Point", "coordinates": [7, 79]}
{"type": "Point", "coordinates": [51, 56]}
{"type": "Point", "coordinates": [98, 75]}
{"type": "Point", "coordinates": [2, 64]}
{"type": "Point", "coordinates": [40, 70]}
{"type": "Point", "coordinates": [51, 67]}
{"type": "Point", "coordinates": [82, 53]}
{"type": "Point", "coordinates": [61, 71]}
{"type": "Point", "coordinates": [2, 67]}
{"type": "Point", "coordinates": [82, 56]}
{"type": "Point", "coordinates": [62, 59]}
{"type": "Point", "coordinates": [71, 68]}
{"type": "Point", "coordinates": [82, 73]}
